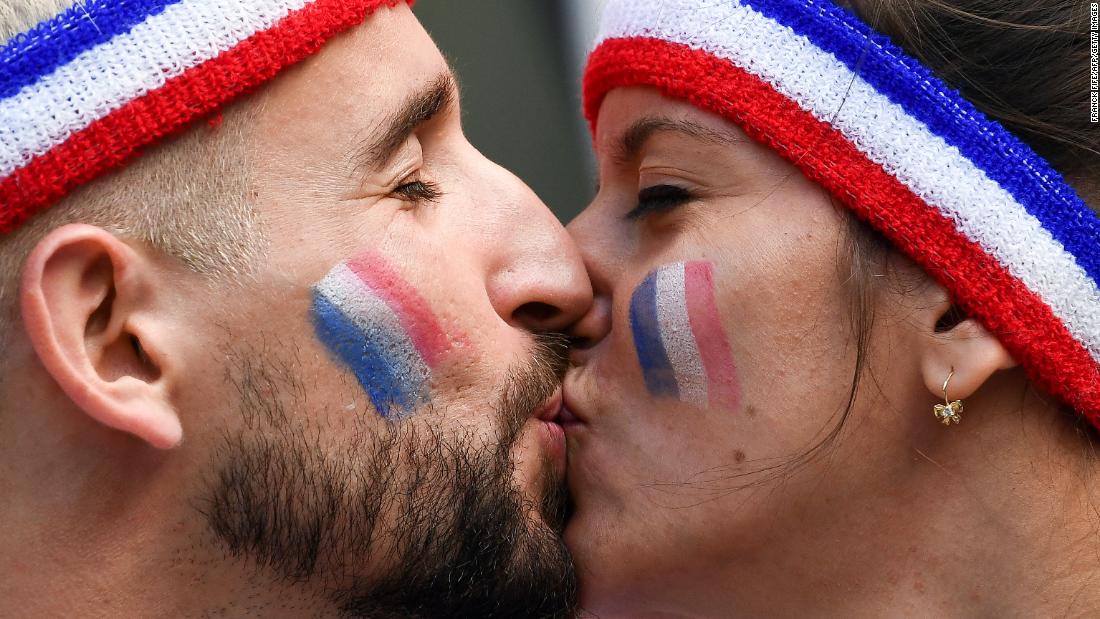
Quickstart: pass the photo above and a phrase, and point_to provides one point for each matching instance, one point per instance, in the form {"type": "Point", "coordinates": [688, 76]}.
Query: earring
{"type": "Point", "coordinates": [948, 411]}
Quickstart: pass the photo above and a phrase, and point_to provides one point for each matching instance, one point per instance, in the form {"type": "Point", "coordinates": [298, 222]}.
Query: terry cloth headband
{"type": "Point", "coordinates": [83, 92]}
{"type": "Point", "coordinates": [984, 215]}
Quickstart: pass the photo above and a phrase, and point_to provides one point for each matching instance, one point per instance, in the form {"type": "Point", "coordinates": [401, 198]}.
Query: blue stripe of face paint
{"type": "Point", "coordinates": [367, 359]}
{"type": "Point", "coordinates": [659, 377]}
{"type": "Point", "coordinates": [842, 34]}
{"type": "Point", "coordinates": [52, 43]}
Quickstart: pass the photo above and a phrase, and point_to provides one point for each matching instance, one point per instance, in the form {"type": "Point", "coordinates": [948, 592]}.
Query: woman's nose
{"type": "Point", "coordinates": [597, 245]}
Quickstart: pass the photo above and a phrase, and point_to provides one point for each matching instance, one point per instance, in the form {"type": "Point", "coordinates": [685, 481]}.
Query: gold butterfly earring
{"type": "Point", "coordinates": [948, 412]}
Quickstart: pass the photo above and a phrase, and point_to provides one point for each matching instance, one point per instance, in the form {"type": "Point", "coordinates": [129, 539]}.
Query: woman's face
{"type": "Point", "coordinates": [721, 351]}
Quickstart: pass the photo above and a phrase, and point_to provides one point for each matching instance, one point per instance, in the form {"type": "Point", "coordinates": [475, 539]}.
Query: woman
{"type": "Point", "coordinates": [810, 256]}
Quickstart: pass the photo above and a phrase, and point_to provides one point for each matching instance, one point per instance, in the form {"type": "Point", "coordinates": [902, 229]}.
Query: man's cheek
{"type": "Point", "coordinates": [384, 331]}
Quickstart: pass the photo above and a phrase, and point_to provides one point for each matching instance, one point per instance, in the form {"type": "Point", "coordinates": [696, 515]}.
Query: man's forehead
{"type": "Point", "coordinates": [357, 83]}
{"type": "Point", "coordinates": [384, 57]}
{"type": "Point", "coordinates": [58, 101]}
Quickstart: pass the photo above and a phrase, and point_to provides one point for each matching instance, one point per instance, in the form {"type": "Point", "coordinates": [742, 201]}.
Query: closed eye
{"type": "Point", "coordinates": [659, 199]}
{"type": "Point", "coordinates": [417, 191]}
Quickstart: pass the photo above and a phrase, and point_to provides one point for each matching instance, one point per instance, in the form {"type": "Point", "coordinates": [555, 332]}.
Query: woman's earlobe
{"type": "Point", "coordinates": [960, 347]}
{"type": "Point", "coordinates": [86, 305]}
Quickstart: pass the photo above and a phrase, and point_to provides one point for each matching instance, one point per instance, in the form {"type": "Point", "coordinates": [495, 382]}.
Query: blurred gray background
{"type": "Point", "coordinates": [519, 63]}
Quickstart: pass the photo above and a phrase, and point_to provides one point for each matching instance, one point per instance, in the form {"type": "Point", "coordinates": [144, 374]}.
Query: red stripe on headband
{"type": "Point", "coordinates": [982, 286]}
{"type": "Point", "coordinates": [116, 139]}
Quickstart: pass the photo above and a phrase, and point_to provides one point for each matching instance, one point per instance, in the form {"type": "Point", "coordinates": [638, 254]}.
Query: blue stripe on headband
{"type": "Point", "coordinates": [41, 50]}
{"type": "Point", "coordinates": [950, 116]}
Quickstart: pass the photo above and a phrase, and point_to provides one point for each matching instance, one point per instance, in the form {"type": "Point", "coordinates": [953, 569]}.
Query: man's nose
{"type": "Point", "coordinates": [537, 280]}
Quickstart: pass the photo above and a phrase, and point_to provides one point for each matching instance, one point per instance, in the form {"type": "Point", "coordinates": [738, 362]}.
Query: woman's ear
{"type": "Point", "coordinates": [87, 307]}
{"type": "Point", "coordinates": [957, 343]}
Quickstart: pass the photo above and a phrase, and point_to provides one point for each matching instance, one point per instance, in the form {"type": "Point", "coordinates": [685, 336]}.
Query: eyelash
{"type": "Point", "coordinates": [417, 191]}
{"type": "Point", "coordinates": [659, 199]}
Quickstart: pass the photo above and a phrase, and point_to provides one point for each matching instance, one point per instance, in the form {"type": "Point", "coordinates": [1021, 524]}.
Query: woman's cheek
{"type": "Point", "coordinates": [679, 341]}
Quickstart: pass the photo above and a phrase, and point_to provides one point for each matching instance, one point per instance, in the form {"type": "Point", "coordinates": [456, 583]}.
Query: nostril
{"type": "Point", "coordinates": [536, 314]}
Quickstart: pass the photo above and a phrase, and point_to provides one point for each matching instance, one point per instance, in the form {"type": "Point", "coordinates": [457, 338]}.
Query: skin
{"type": "Point", "coordinates": [686, 512]}
{"type": "Point", "coordinates": [123, 351]}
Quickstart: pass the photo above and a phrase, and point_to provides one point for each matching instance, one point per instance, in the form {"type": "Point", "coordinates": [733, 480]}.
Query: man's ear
{"type": "Point", "coordinates": [87, 306]}
{"type": "Point", "coordinates": [955, 342]}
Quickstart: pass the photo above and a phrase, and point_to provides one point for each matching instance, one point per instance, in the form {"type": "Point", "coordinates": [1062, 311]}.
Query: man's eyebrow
{"type": "Point", "coordinates": [438, 96]}
{"type": "Point", "coordinates": [634, 139]}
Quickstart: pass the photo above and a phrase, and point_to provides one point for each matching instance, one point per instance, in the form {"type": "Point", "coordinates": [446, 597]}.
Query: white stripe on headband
{"type": "Point", "coordinates": [128, 66]}
{"type": "Point", "coordinates": [932, 169]}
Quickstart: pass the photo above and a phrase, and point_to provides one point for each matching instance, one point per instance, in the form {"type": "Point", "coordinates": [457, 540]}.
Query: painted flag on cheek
{"type": "Point", "coordinates": [682, 349]}
{"type": "Point", "coordinates": [382, 329]}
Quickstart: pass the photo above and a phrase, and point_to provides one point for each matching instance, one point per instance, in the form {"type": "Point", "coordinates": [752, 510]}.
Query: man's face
{"type": "Point", "coordinates": [366, 409]}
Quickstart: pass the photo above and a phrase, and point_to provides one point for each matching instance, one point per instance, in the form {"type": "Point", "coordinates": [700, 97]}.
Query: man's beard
{"type": "Point", "coordinates": [434, 512]}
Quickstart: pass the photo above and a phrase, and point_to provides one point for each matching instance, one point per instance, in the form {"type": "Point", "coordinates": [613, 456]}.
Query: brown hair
{"type": "Point", "coordinates": [1024, 63]}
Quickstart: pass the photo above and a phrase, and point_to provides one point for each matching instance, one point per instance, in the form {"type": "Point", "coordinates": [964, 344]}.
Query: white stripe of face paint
{"type": "Point", "coordinates": [108, 76]}
{"type": "Point", "coordinates": [373, 317]}
{"type": "Point", "coordinates": [981, 209]}
{"type": "Point", "coordinates": [683, 353]}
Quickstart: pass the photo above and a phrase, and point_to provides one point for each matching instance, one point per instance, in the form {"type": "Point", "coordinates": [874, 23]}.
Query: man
{"type": "Point", "coordinates": [295, 362]}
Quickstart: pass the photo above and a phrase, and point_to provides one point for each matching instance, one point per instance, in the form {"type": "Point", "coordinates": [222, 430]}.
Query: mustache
{"type": "Point", "coordinates": [528, 386]}
{"type": "Point", "coordinates": [525, 388]}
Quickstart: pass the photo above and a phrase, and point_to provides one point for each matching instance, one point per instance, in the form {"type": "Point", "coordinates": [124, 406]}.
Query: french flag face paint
{"type": "Point", "coordinates": [678, 335]}
{"type": "Point", "coordinates": [382, 329]}
{"type": "Point", "coordinates": [977, 208]}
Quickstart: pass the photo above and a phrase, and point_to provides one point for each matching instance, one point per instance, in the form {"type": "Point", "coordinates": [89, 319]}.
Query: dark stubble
{"type": "Point", "coordinates": [437, 507]}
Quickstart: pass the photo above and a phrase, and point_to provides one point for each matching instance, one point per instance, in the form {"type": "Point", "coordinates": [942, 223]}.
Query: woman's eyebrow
{"type": "Point", "coordinates": [633, 140]}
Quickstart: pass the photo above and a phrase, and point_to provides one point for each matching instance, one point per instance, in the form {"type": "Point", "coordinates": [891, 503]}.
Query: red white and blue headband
{"type": "Point", "coordinates": [83, 92]}
{"type": "Point", "coordinates": [984, 215]}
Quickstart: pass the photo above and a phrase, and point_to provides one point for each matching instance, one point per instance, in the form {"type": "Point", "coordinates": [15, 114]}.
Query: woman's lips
{"type": "Point", "coordinates": [572, 416]}
{"type": "Point", "coordinates": [567, 419]}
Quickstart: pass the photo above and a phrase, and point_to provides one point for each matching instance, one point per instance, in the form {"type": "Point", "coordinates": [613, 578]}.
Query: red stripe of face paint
{"type": "Point", "coordinates": [115, 139]}
{"type": "Point", "coordinates": [412, 309]}
{"type": "Point", "coordinates": [706, 326]}
{"type": "Point", "coordinates": [983, 287]}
